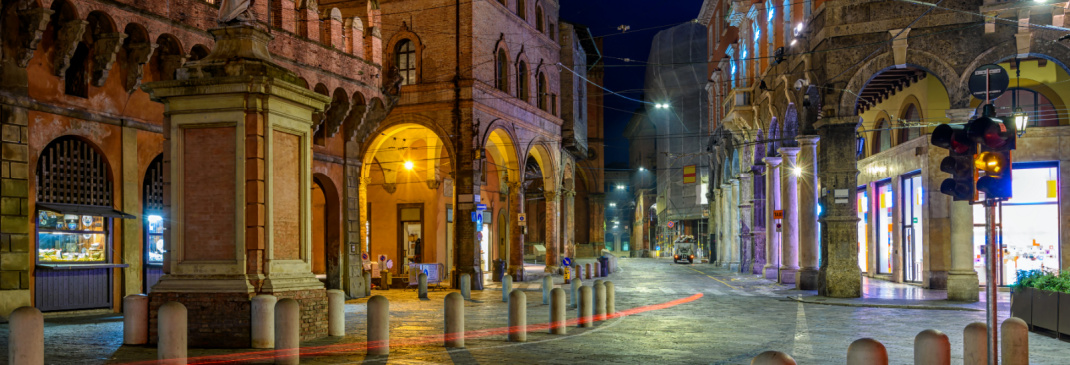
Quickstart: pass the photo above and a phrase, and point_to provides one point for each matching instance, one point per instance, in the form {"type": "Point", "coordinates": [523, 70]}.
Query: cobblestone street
{"type": "Point", "coordinates": [736, 318]}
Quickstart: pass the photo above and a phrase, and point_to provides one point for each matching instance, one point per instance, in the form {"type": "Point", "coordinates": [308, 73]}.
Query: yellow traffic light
{"type": "Point", "coordinates": [993, 164]}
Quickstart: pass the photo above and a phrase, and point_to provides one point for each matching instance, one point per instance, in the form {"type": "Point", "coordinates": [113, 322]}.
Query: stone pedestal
{"type": "Point", "coordinates": [789, 203]}
{"type": "Point", "coordinates": [237, 154]}
{"type": "Point", "coordinates": [962, 280]}
{"type": "Point", "coordinates": [840, 276]}
{"type": "Point", "coordinates": [772, 202]}
{"type": "Point", "coordinates": [806, 278]}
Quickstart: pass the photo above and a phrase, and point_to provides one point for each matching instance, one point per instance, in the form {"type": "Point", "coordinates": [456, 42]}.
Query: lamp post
{"type": "Point", "coordinates": [1021, 121]}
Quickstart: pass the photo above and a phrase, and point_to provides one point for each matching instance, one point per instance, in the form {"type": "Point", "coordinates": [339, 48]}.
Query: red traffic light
{"type": "Point", "coordinates": [990, 132]}
{"type": "Point", "coordinates": [952, 137]}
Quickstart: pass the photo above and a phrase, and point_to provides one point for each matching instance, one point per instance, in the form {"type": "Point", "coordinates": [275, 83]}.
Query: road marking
{"type": "Point", "coordinates": [718, 280]}
{"type": "Point", "coordinates": [802, 347]}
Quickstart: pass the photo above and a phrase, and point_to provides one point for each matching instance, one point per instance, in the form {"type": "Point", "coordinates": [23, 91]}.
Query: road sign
{"type": "Point", "coordinates": [566, 261]}
{"type": "Point", "coordinates": [778, 214]}
{"type": "Point", "coordinates": [481, 207]}
{"type": "Point", "coordinates": [988, 82]}
{"type": "Point", "coordinates": [382, 257]}
{"type": "Point", "coordinates": [477, 217]}
{"type": "Point", "coordinates": [670, 224]}
{"type": "Point", "coordinates": [522, 218]}
{"type": "Point", "coordinates": [364, 256]}
{"type": "Point", "coordinates": [389, 264]}
{"type": "Point", "coordinates": [689, 174]}
{"type": "Point", "coordinates": [479, 236]}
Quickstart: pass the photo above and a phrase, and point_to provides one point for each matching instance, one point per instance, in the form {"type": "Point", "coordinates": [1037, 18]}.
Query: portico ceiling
{"type": "Point", "coordinates": [885, 84]}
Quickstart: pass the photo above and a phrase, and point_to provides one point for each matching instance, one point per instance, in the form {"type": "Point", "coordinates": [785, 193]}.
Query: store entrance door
{"type": "Point", "coordinates": [912, 227]}
{"type": "Point", "coordinates": [410, 235]}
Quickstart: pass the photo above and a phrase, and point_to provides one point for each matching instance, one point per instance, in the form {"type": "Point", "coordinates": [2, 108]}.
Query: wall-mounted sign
{"type": "Point", "coordinates": [778, 214]}
{"type": "Point", "coordinates": [522, 218]}
{"type": "Point", "coordinates": [670, 224]}
{"type": "Point", "coordinates": [689, 174]}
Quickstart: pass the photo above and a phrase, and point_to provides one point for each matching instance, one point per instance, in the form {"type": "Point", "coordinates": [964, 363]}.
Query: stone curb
{"type": "Point", "coordinates": [897, 306]}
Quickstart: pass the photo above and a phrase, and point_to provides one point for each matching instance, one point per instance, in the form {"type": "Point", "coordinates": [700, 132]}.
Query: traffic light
{"type": "Point", "coordinates": [997, 139]}
{"type": "Point", "coordinates": [959, 161]}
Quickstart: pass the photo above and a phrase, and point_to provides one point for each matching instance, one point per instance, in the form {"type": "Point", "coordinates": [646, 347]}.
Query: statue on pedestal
{"type": "Point", "coordinates": [236, 11]}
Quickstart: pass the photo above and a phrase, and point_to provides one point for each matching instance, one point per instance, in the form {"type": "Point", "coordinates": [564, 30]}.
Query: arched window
{"type": "Point", "coordinates": [501, 80]}
{"type": "Point", "coordinates": [884, 136]}
{"type": "Point", "coordinates": [522, 81]}
{"type": "Point", "coordinates": [1040, 110]}
{"type": "Point", "coordinates": [788, 31]}
{"type": "Point", "coordinates": [911, 117]}
{"type": "Point", "coordinates": [539, 22]}
{"type": "Point", "coordinates": [405, 60]}
{"type": "Point", "coordinates": [743, 67]}
{"type": "Point", "coordinates": [544, 94]}
{"type": "Point", "coordinates": [521, 9]}
{"type": "Point", "coordinates": [732, 74]}
{"type": "Point", "coordinates": [757, 48]}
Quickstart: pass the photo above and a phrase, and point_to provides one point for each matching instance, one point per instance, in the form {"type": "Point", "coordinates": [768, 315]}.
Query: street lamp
{"type": "Point", "coordinates": [641, 169]}
{"type": "Point", "coordinates": [1021, 121]}
{"type": "Point", "coordinates": [612, 205]}
{"type": "Point", "coordinates": [408, 165]}
{"type": "Point", "coordinates": [620, 187]}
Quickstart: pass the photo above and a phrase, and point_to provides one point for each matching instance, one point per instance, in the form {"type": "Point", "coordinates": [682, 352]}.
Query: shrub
{"type": "Point", "coordinates": [1043, 280]}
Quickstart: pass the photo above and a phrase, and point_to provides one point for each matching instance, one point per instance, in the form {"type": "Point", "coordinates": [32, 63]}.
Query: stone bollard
{"type": "Point", "coordinates": [1015, 342]}
{"type": "Point", "coordinates": [136, 319]}
{"type": "Point", "coordinates": [575, 298]}
{"type": "Point", "coordinates": [288, 332]}
{"type": "Point", "coordinates": [262, 325]}
{"type": "Point", "coordinates": [466, 286]}
{"type": "Point", "coordinates": [772, 358]}
{"type": "Point", "coordinates": [547, 284]}
{"type": "Point", "coordinates": [931, 347]}
{"type": "Point", "coordinates": [368, 284]}
{"type": "Point", "coordinates": [171, 329]}
{"type": "Point", "coordinates": [507, 287]}
{"type": "Point", "coordinates": [26, 337]}
{"type": "Point", "coordinates": [975, 344]}
{"type": "Point", "coordinates": [587, 271]}
{"type": "Point", "coordinates": [611, 298]}
{"type": "Point", "coordinates": [378, 325]}
{"type": "Point", "coordinates": [454, 308]}
{"type": "Point", "coordinates": [585, 310]}
{"type": "Point", "coordinates": [599, 300]}
{"type": "Point", "coordinates": [422, 288]}
{"type": "Point", "coordinates": [557, 312]}
{"type": "Point", "coordinates": [336, 313]}
{"type": "Point", "coordinates": [386, 279]}
{"type": "Point", "coordinates": [518, 316]}
{"type": "Point", "coordinates": [867, 351]}
{"type": "Point", "coordinates": [596, 268]}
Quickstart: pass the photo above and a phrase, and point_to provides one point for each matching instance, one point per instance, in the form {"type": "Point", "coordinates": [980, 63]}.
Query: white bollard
{"type": "Point", "coordinates": [557, 312]}
{"type": "Point", "coordinates": [136, 319]}
{"type": "Point", "coordinates": [975, 344]}
{"type": "Point", "coordinates": [466, 286]}
{"type": "Point", "coordinates": [1015, 342]}
{"type": "Point", "coordinates": [772, 358]}
{"type": "Point", "coordinates": [575, 298]}
{"type": "Point", "coordinates": [507, 287]}
{"type": "Point", "coordinates": [599, 301]}
{"type": "Point", "coordinates": [611, 298]}
{"type": "Point", "coordinates": [368, 284]}
{"type": "Point", "coordinates": [26, 337]}
{"type": "Point", "coordinates": [378, 325]}
{"type": "Point", "coordinates": [454, 308]}
{"type": "Point", "coordinates": [867, 351]}
{"type": "Point", "coordinates": [585, 310]}
{"type": "Point", "coordinates": [932, 347]}
{"type": "Point", "coordinates": [336, 313]}
{"type": "Point", "coordinates": [547, 284]}
{"type": "Point", "coordinates": [287, 332]}
{"type": "Point", "coordinates": [171, 328]}
{"type": "Point", "coordinates": [518, 316]}
{"type": "Point", "coordinates": [263, 322]}
{"type": "Point", "coordinates": [597, 272]}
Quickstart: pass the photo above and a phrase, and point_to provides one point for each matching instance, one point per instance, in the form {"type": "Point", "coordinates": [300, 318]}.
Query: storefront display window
{"type": "Point", "coordinates": [70, 238]}
{"type": "Point", "coordinates": [1029, 224]}
{"type": "Point", "coordinates": [154, 237]}
{"type": "Point", "coordinates": [913, 221]}
{"type": "Point", "coordinates": [885, 205]}
{"type": "Point", "coordinates": [863, 229]}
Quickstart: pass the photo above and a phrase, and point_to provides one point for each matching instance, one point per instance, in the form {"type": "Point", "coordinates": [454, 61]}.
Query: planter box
{"type": "Point", "coordinates": [1045, 310]}
{"type": "Point", "coordinates": [1064, 309]}
{"type": "Point", "coordinates": [1022, 305]}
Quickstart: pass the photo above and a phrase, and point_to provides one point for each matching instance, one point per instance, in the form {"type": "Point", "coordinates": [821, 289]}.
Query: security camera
{"type": "Point", "coordinates": [800, 84]}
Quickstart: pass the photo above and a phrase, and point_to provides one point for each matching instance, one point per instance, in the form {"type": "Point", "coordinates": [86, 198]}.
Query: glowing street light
{"type": "Point", "coordinates": [641, 169]}
{"type": "Point", "coordinates": [408, 165]}
{"type": "Point", "coordinates": [612, 204]}
{"type": "Point", "coordinates": [796, 171]}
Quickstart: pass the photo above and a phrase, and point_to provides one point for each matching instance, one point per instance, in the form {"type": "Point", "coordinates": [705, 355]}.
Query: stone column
{"type": "Point", "coordinates": [789, 234]}
{"type": "Point", "coordinates": [516, 232]}
{"type": "Point", "coordinates": [772, 202]}
{"type": "Point", "coordinates": [719, 226]}
{"type": "Point", "coordinates": [746, 221]}
{"type": "Point", "coordinates": [733, 223]}
{"type": "Point", "coordinates": [133, 248]}
{"type": "Point", "coordinates": [16, 257]}
{"type": "Point", "coordinates": [552, 237]}
{"type": "Point", "coordinates": [758, 212]}
{"type": "Point", "coordinates": [806, 278]}
{"type": "Point", "coordinates": [569, 240]}
{"type": "Point", "coordinates": [962, 280]}
{"type": "Point", "coordinates": [840, 276]}
{"type": "Point", "coordinates": [598, 217]}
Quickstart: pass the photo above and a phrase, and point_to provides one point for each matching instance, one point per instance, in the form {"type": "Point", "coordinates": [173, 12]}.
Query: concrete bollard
{"type": "Point", "coordinates": [288, 332]}
{"type": "Point", "coordinates": [587, 271]}
{"type": "Point", "coordinates": [518, 316]}
{"type": "Point", "coordinates": [975, 344]}
{"type": "Point", "coordinates": [454, 313]}
{"type": "Point", "coordinates": [136, 319]}
{"type": "Point", "coordinates": [466, 286]}
{"type": "Point", "coordinates": [171, 328]}
{"type": "Point", "coordinates": [368, 284]}
{"type": "Point", "coordinates": [262, 325]}
{"type": "Point", "coordinates": [599, 301]}
{"type": "Point", "coordinates": [611, 298]}
{"type": "Point", "coordinates": [507, 287]}
{"type": "Point", "coordinates": [596, 268]}
{"type": "Point", "coordinates": [378, 325]}
{"type": "Point", "coordinates": [1015, 342]}
{"type": "Point", "coordinates": [422, 288]}
{"type": "Point", "coordinates": [547, 284]}
{"type": "Point", "coordinates": [585, 310]}
{"type": "Point", "coordinates": [867, 351]}
{"type": "Point", "coordinates": [336, 313]}
{"type": "Point", "coordinates": [557, 312]}
{"type": "Point", "coordinates": [599, 282]}
{"type": "Point", "coordinates": [26, 337]}
{"type": "Point", "coordinates": [772, 358]}
{"type": "Point", "coordinates": [932, 347]}
{"type": "Point", "coordinates": [574, 300]}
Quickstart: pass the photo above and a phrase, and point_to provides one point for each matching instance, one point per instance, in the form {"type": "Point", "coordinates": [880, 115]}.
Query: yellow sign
{"type": "Point", "coordinates": [689, 174]}
{"type": "Point", "coordinates": [568, 270]}
{"type": "Point", "coordinates": [778, 214]}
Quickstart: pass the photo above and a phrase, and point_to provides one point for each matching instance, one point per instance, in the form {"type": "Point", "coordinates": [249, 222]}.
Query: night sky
{"type": "Point", "coordinates": [646, 18]}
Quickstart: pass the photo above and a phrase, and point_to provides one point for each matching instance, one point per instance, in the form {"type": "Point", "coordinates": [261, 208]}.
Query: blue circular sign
{"type": "Point", "coordinates": [567, 261]}
{"type": "Point", "coordinates": [364, 256]}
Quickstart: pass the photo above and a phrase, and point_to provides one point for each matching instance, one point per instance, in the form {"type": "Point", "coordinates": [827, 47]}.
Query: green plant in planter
{"type": "Point", "coordinates": [1027, 279]}
{"type": "Point", "coordinates": [1043, 281]}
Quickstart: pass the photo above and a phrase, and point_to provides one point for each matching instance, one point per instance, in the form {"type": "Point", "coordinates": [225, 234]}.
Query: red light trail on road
{"type": "Point", "coordinates": [358, 348]}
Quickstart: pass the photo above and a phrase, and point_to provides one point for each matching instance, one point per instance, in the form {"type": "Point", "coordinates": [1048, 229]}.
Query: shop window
{"type": "Point", "coordinates": [885, 204]}
{"type": "Point", "coordinates": [522, 81]}
{"type": "Point", "coordinates": [76, 78]}
{"type": "Point", "coordinates": [863, 229]}
{"type": "Point", "coordinates": [502, 75]}
{"type": "Point", "coordinates": [1040, 110]}
{"type": "Point", "coordinates": [152, 196]}
{"type": "Point", "coordinates": [405, 61]}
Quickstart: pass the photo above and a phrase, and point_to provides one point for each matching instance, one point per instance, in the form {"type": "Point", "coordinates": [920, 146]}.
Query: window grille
{"type": "Point", "coordinates": [70, 171]}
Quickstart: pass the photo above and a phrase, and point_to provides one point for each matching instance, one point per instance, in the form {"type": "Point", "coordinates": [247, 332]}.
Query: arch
{"type": "Point", "coordinates": [392, 58]}
{"type": "Point", "coordinates": [65, 11]}
{"type": "Point", "coordinates": [200, 51]}
{"type": "Point", "coordinates": [100, 22]}
{"type": "Point", "coordinates": [540, 151]}
{"type": "Point", "coordinates": [168, 57]}
{"type": "Point", "coordinates": [882, 136]}
{"type": "Point", "coordinates": [909, 113]}
{"type": "Point", "coordinates": [326, 231]}
{"type": "Point", "coordinates": [931, 64]}
{"type": "Point", "coordinates": [94, 170]}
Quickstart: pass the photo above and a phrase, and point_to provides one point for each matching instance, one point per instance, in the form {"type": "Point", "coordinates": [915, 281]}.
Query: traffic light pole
{"type": "Point", "coordinates": [991, 275]}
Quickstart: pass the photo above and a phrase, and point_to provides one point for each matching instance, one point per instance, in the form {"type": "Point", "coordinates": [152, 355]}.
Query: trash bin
{"type": "Point", "coordinates": [499, 269]}
{"type": "Point", "coordinates": [603, 266]}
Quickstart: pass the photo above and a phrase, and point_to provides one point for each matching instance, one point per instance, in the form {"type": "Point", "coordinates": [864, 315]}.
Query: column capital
{"type": "Point", "coordinates": [515, 186]}
{"type": "Point", "coordinates": [788, 151]}
{"type": "Point", "coordinates": [568, 193]}
{"type": "Point", "coordinates": [808, 140]}
{"type": "Point", "coordinates": [550, 195]}
{"type": "Point", "coordinates": [772, 162]}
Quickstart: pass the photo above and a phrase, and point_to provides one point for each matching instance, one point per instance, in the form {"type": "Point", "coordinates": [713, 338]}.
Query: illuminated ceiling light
{"type": "Point", "coordinates": [798, 29]}
{"type": "Point", "coordinates": [793, 41]}
{"type": "Point", "coordinates": [796, 171]}
{"type": "Point", "coordinates": [408, 165]}
{"type": "Point", "coordinates": [612, 204]}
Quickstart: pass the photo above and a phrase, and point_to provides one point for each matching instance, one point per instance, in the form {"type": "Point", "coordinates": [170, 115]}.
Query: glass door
{"type": "Point", "coordinates": [863, 229]}
{"type": "Point", "coordinates": [912, 227]}
{"type": "Point", "coordinates": [885, 204]}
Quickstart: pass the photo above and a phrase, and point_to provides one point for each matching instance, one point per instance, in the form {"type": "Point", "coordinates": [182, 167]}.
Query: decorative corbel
{"type": "Point", "coordinates": [335, 115]}
{"type": "Point", "coordinates": [67, 39]}
{"type": "Point", "coordinates": [105, 50]}
{"type": "Point", "coordinates": [137, 55]}
{"type": "Point", "coordinates": [352, 122]}
{"type": "Point", "coordinates": [390, 187]}
{"type": "Point", "coordinates": [899, 47]}
{"type": "Point", "coordinates": [33, 21]}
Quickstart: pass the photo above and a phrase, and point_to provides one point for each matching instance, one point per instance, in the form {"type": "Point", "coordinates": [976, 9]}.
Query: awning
{"type": "Point", "coordinates": [84, 210]}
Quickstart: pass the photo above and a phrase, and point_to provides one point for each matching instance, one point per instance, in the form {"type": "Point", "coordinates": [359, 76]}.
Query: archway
{"type": "Point", "coordinates": [541, 197]}
{"type": "Point", "coordinates": [500, 193]}
{"type": "Point", "coordinates": [326, 232]}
